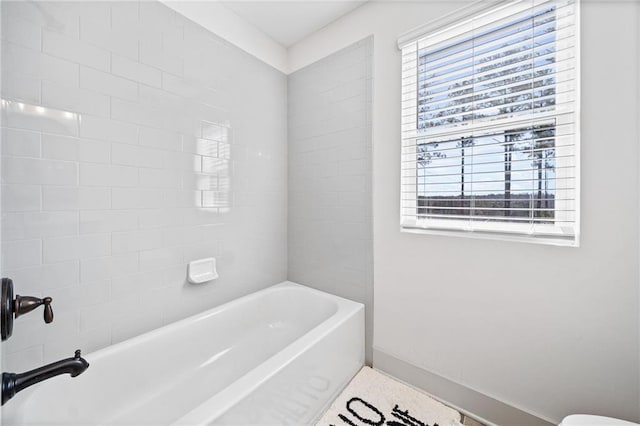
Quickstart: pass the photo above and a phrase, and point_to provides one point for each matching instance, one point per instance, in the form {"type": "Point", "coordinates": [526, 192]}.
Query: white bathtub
{"type": "Point", "coordinates": [278, 356]}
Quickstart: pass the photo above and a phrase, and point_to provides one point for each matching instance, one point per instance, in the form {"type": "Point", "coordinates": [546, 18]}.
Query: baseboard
{"type": "Point", "coordinates": [472, 403]}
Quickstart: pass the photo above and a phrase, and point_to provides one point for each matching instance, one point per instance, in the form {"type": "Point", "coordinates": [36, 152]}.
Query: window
{"type": "Point", "coordinates": [490, 124]}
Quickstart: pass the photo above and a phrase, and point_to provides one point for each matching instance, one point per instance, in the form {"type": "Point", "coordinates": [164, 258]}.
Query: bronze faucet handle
{"type": "Point", "coordinates": [25, 304]}
{"type": "Point", "coordinates": [11, 308]}
{"type": "Point", "coordinates": [48, 310]}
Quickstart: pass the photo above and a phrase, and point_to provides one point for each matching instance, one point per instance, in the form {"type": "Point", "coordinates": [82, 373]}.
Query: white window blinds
{"type": "Point", "coordinates": [490, 124]}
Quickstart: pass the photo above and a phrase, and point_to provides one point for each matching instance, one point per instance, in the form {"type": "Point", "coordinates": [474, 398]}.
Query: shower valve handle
{"type": "Point", "coordinates": [11, 308]}
{"type": "Point", "coordinates": [25, 304]}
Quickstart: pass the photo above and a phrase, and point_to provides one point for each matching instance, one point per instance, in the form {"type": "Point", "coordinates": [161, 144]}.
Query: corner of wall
{"type": "Point", "coordinates": [468, 401]}
{"type": "Point", "coordinates": [225, 23]}
{"type": "Point", "coordinates": [328, 40]}
{"type": "Point", "coordinates": [638, 144]}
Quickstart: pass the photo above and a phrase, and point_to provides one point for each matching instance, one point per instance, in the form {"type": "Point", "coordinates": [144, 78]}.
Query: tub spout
{"type": "Point", "coordinates": [13, 383]}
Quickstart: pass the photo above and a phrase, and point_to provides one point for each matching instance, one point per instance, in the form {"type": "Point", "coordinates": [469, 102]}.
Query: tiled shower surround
{"type": "Point", "coordinates": [330, 207]}
{"type": "Point", "coordinates": [133, 142]}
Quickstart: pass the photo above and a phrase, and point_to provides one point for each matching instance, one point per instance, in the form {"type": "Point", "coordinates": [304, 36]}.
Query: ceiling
{"type": "Point", "coordinates": [288, 22]}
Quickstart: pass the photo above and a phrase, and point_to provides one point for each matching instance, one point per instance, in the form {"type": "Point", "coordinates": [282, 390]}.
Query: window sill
{"type": "Point", "coordinates": [563, 241]}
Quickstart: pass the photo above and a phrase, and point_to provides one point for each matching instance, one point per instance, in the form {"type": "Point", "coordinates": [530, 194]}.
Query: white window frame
{"type": "Point", "coordinates": [484, 12]}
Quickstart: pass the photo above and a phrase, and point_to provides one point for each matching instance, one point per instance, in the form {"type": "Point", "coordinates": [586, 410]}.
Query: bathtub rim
{"type": "Point", "coordinates": [342, 303]}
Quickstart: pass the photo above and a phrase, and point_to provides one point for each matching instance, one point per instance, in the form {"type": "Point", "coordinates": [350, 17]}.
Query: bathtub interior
{"type": "Point", "coordinates": [302, 390]}
{"type": "Point", "coordinates": [158, 377]}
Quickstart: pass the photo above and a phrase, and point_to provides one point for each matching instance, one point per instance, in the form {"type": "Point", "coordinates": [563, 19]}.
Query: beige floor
{"type": "Point", "coordinates": [468, 421]}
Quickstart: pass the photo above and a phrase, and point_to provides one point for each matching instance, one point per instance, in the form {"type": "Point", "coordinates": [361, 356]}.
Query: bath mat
{"type": "Point", "coordinates": [374, 399]}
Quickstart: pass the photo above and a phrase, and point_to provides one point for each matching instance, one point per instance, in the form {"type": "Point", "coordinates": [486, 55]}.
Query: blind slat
{"type": "Point", "coordinates": [411, 150]}
{"type": "Point", "coordinates": [500, 181]}
{"type": "Point", "coordinates": [458, 199]}
{"type": "Point", "coordinates": [487, 191]}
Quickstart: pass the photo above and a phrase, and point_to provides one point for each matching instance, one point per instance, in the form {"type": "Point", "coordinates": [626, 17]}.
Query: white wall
{"type": "Point", "coordinates": [330, 232]}
{"type": "Point", "coordinates": [551, 330]}
{"type": "Point", "coordinates": [134, 141]}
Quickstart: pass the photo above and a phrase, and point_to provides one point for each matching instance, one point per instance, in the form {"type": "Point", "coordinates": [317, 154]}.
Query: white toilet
{"type": "Point", "coordinates": [588, 420]}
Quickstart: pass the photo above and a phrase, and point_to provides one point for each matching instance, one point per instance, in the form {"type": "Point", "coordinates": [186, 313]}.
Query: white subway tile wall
{"type": "Point", "coordinates": [133, 141]}
{"type": "Point", "coordinates": [330, 175]}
